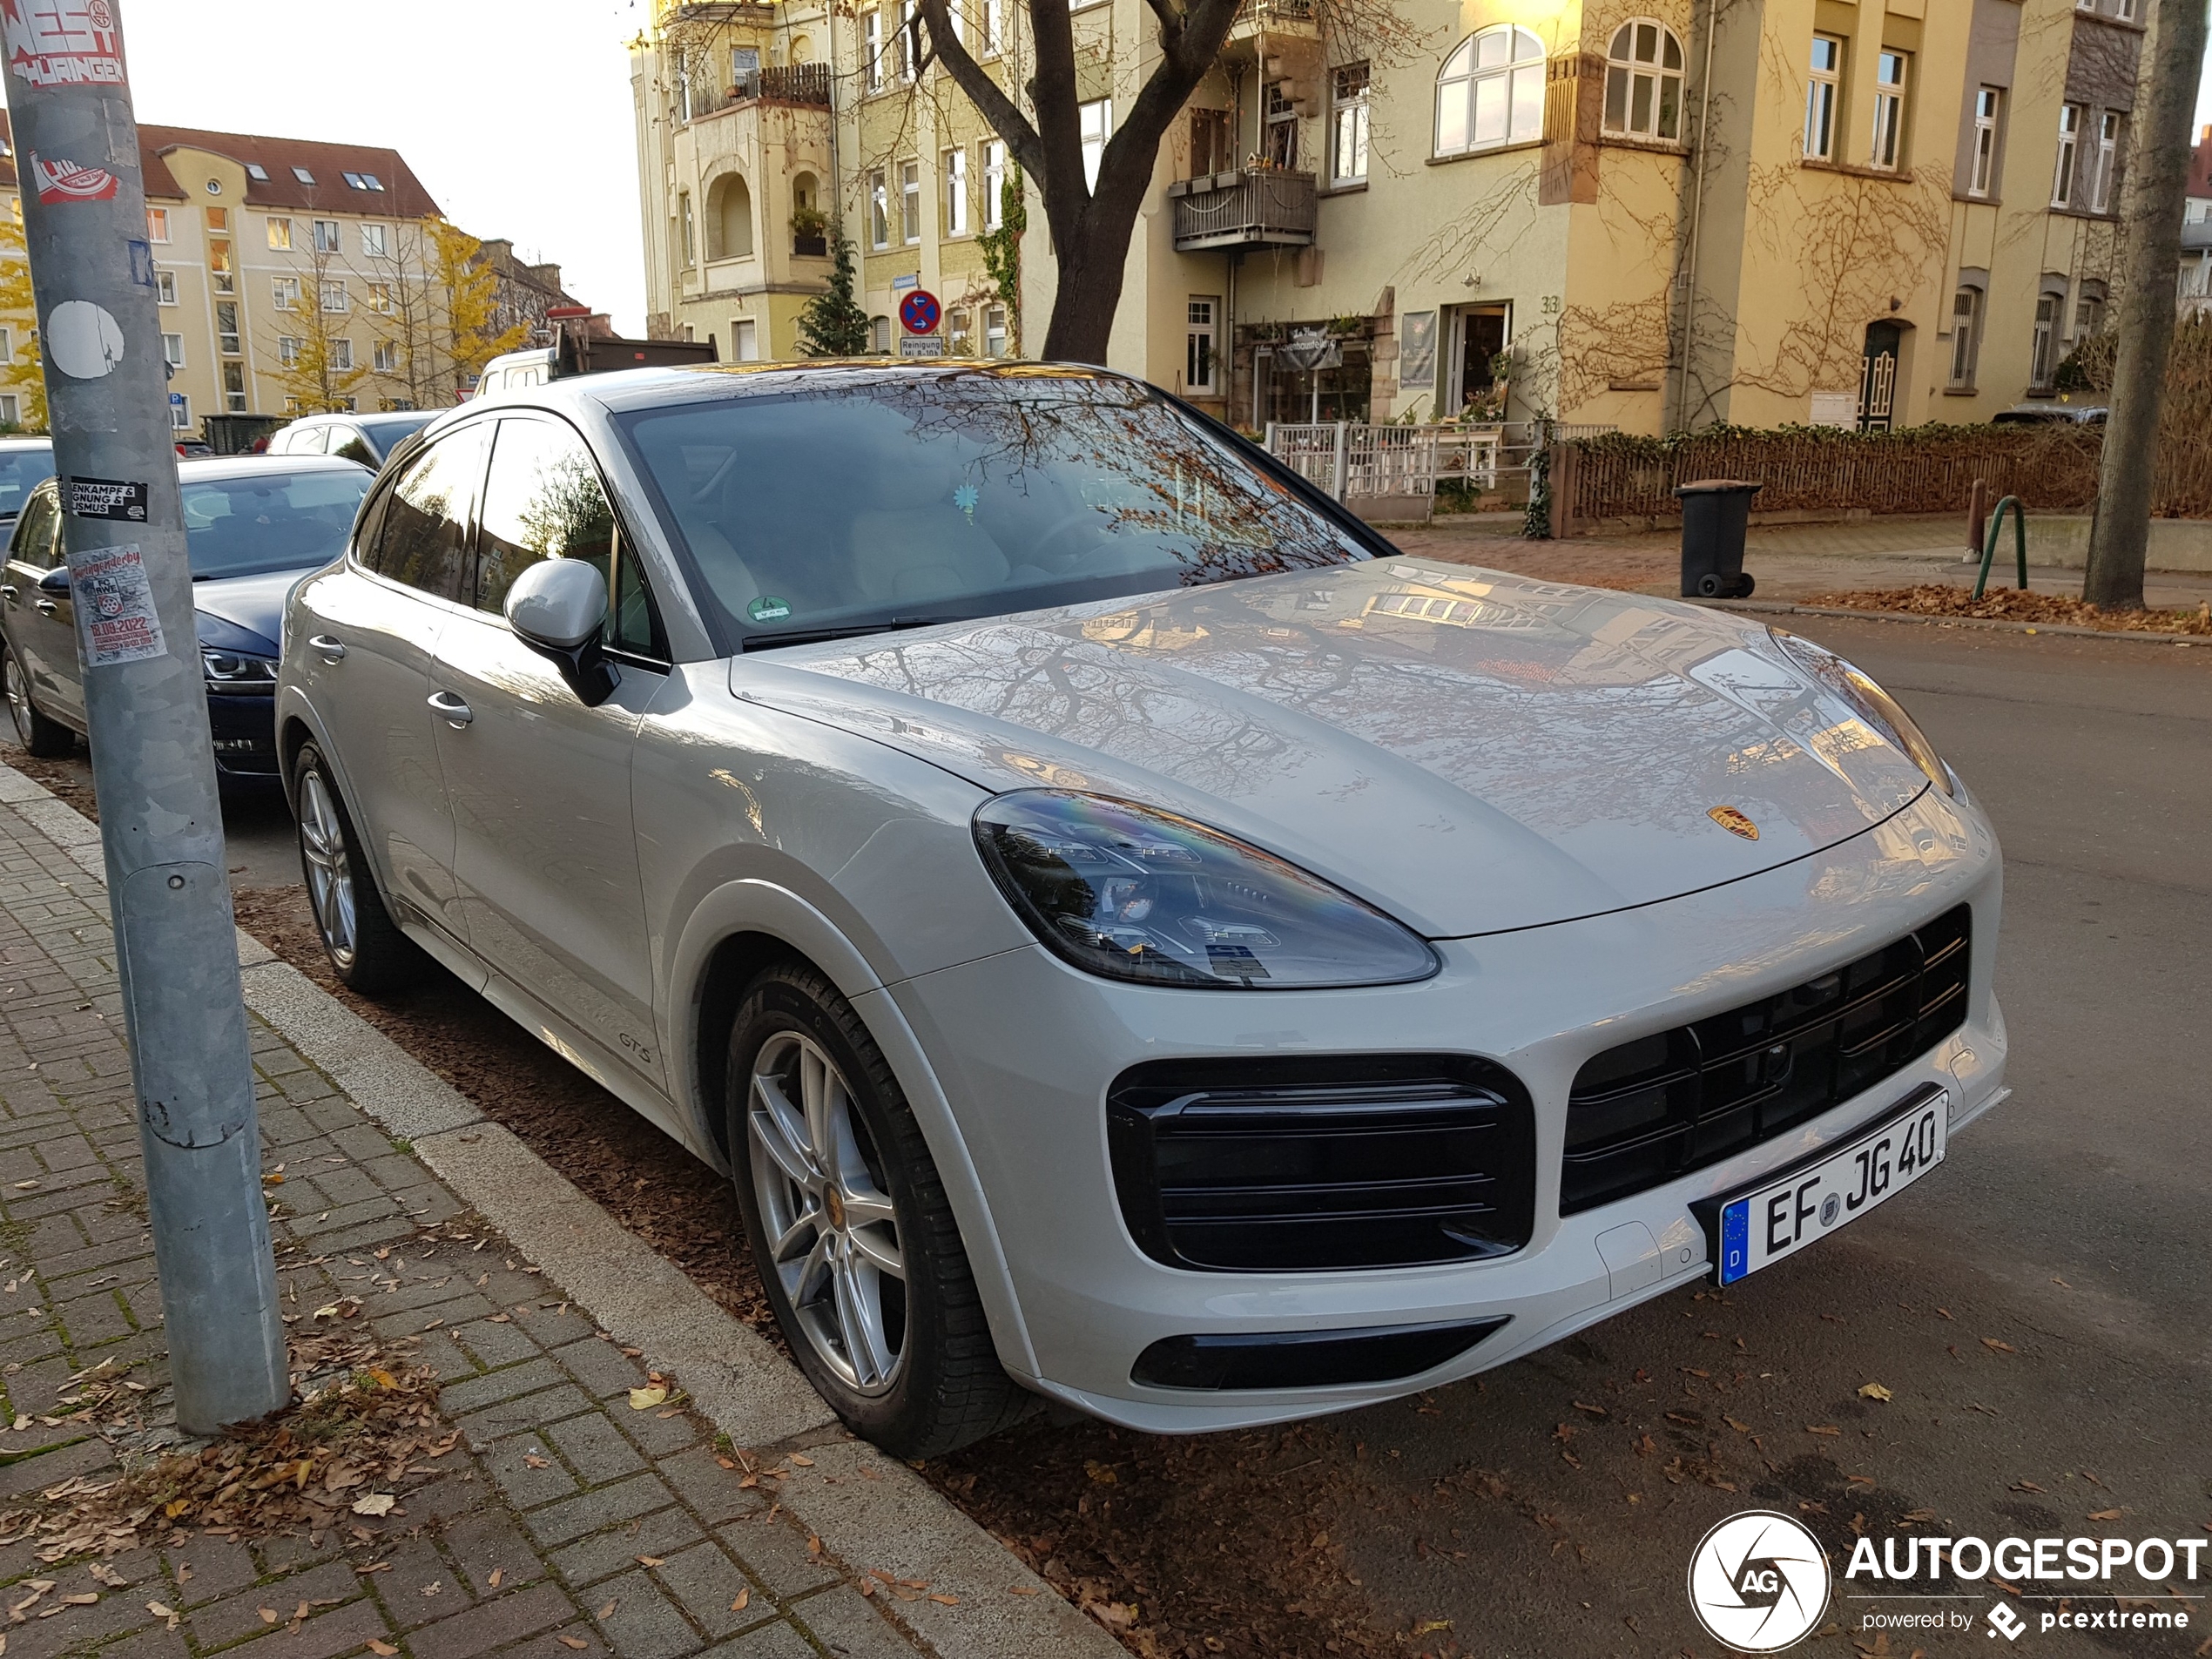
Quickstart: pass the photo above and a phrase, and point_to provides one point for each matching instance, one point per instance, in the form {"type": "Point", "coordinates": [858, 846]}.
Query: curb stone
{"type": "Point", "coordinates": [867, 1509]}
{"type": "Point", "coordinates": [2002, 625]}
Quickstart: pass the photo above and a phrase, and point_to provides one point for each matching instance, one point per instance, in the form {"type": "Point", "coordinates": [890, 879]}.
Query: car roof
{"type": "Point", "coordinates": [26, 443]}
{"type": "Point", "coordinates": [201, 469]}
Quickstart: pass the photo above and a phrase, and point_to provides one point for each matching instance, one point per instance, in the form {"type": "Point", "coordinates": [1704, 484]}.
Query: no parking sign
{"type": "Point", "coordinates": [920, 313]}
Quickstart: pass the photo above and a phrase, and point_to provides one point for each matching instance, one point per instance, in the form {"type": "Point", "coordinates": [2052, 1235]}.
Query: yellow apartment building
{"type": "Point", "coordinates": [1648, 213]}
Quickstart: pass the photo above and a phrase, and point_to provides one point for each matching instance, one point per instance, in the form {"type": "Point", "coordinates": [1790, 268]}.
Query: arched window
{"type": "Point", "coordinates": [729, 204]}
{"type": "Point", "coordinates": [1491, 91]}
{"type": "Point", "coordinates": [1643, 81]}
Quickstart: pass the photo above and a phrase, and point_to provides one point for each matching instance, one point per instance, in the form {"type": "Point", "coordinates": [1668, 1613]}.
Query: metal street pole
{"type": "Point", "coordinates": [161, 825]}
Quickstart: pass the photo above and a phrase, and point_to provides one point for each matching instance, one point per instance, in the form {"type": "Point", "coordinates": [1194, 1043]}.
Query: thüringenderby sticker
{"type": "Point", "coordinates": [105, 498]}
{"type": "Point", "coordinates": [115, 616]}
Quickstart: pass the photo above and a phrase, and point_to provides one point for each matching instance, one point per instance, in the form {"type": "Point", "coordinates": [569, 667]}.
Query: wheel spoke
{"type": "Point", "coordinates": [806, 1226]}
{"type": "Point", "coordinates": [814, 1265]}
{"type": "Point", "coordinates": [817, 1082]}
{"type": "Point", "coordinates": [859, 1317]}
{"type": "Point", "coordinates": [879, 1248]}
{"type": "Point", "coordinates": [776, 1131]}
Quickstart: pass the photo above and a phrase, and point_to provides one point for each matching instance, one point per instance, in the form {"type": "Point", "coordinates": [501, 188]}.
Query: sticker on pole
{"type": "Point", "coordinates": [105, 498]}
{"type": "Point", "coordinates": [68, 181]}
{"type": "Point", "coordinates": [63, 42]}
{"type": "Point", "coordinates": [83, 340]}
{"type": "Point", "coordinates": [115, 616]}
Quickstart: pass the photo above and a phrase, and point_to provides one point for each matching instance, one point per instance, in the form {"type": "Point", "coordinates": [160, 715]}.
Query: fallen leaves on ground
{"type": "Point", "coordinates": [1874, 1391]}
{"type": "Point", "coordinates": [332, 1453]}
{"type": "Point", "coordinates": [2010, 605]}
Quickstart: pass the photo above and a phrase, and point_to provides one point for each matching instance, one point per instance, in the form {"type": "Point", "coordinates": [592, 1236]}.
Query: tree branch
{"type": "Point", "coordinates": [997, 109]}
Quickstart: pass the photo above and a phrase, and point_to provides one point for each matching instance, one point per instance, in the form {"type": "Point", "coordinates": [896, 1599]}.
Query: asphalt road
{"type": "Point", "coordinates": [1502, 1518]}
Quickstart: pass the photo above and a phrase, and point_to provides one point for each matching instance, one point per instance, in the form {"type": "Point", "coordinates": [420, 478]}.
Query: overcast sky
{"type": "Point", "coordinates": [516, 113]}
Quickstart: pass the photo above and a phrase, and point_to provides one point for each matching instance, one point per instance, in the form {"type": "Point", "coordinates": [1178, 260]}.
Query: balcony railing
{"type": "Point", "coordinates": [1226, 211]}
{"type": "Point", "coordinates": [1257, 14]}
{"type": "Point", "coordinates": [780, 84]}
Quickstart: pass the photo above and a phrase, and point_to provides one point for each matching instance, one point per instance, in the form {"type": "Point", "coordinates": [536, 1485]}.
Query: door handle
{"type": "Point", "coordinates": [47, 607]}
{"type": "Point", "coordinates": [330, 645]}
{"type": "Point", "coordinates": [8, 591]}
{"type": "Point", "coordinates": [457, 713]}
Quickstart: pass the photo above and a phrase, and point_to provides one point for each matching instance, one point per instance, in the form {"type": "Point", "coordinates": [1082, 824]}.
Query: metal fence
{"type": "Point", "coordinates": [1349, 458]}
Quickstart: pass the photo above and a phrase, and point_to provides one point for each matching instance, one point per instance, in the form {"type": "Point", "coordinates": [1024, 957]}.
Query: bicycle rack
{"type": "Point", "coordinates": [2020, 541]}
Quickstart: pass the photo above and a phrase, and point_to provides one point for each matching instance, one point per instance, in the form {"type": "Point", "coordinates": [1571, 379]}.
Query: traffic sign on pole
{"type": "Point", "coordinates": [920, 313]}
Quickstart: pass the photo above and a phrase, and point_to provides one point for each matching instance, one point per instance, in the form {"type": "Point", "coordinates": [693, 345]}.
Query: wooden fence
{"type": "Point", "coordinates": [2051, 469]}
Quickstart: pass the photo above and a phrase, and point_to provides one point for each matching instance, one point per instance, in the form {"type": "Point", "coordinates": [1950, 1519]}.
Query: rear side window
{"type": "Point", "coordinates": [350, 446]}
{"type": "Point", "coordinates": [541, 500]}
{"type": "Point", "coordinates": [33, 543]}
{"type": "Point", "coordinates": [422, 537]}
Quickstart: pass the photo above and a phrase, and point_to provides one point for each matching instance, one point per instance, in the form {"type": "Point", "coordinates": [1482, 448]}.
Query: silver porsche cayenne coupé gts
{"type": "Point", "coordinates": [1132, 935]}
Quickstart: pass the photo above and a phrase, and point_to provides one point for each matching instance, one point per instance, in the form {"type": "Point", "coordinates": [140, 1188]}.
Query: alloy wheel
{"type": "Point", "coordinates": [330, 870]}
{"type": "Point", "coordinates": [835, 1235]}
{"type": "Point", "coordinates": [18, 693]}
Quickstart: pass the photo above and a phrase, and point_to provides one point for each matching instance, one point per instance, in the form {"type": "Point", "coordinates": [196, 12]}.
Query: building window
{"type": "Point", "coordinates": [164, 287]}
{"type": "Point", "coordinates": [2088, 314]}
{"type": "Point", "coordinates": [1348, 124]}
{"type": "Point", "coordinates": [1279, 143]}
{"type": "Point", "coordinates": [226, 340]}
{"type": "Point", "coordinates": [994, 184]}
{"type": "Point", "coordinates": [257, 172]}
{"type": "Point", "coordinates": [385, 357]}
{"type": "Point", "coordinates": [179, 411]}
{"type": "Point", "coordinates": [303, 175]}
{"type": "Point", "coordinates": [380, 298]}
{"type": "Point", "coordinates": [284, 293]}
{"type": "Point", "coordinates": [219, 221]}
{"type": "Point", "coordinates": [1491, 91]}
{"type": "Point", "coordinates": [1643, 81]}
{"type": "Point", "coordinates": [288, 351]}
{"type": "Point", "coordinates": [994, 27]}
{"type": "Point", "coordinates": [2125, 10]}
{"type": "Point", "coordinates": [2069, 147]}
{"type": "Point", "coordinates": [1889, 109]}
{"type": "Point", "coordinates": [956, 191]}
{"type": "Point", "coordinates": [333, 294]}
{"type": "Point", "coordinates": [218, 268]}
{"type": "Point", "coordinates": [376, 241]}
{"type": "Point", "coordinates": [234, 387]}
{"type": "Point", "coordinates": [1965, 318]}
{"type": "Point", "coordinates": [744, 340]}
{"type": "Point", "coordinates": [685, 239]}
{"type": "Point", "coordinates": [1095, 124]}
{"type": "Point", "coordinates": [156, 224]}
{"type": "Point", "coordinates": [172, 350]}
{"type": "Point", "coordinates": [879, 335]}
{"type": "Point", "coordinates": [871, 48]}
{"type": "Point", "coordinates": [2106, 163]}
{"type": "Point", "coordinates": [281, 234]}
{"type": "Point", "coordinates": [1981, 175]}
{"type": "Point", "coordinates": [1200, 362]}
{"type": "Point", "coordinates": [1823, 92]}
{"type": "Point", "coordinates": [910, 201]}
{"type": "Point", "coordinates": [10, 409]}
{"type": "Point", "coordinates": [994, 332]}
{"type": "Point", "coordinates": [327, 240]}
{"type": "Point", "coordinates": [2040, 363]}
{"type": "Point", "coordinates": [878, 211]}
{"type": "Point", "coordinates": [341, 354]}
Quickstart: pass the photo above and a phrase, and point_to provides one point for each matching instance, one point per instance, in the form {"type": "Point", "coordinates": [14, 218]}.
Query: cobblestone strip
{"type": "Point", "coordinates": [566, 1523]}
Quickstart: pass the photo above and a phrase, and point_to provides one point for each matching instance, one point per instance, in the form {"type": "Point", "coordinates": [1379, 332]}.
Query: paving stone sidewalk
{"type": "Point", "coordinates": [528, 1542]}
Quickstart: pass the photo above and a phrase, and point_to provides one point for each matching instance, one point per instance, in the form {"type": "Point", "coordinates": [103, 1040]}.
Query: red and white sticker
{"type": "Point", "coordinates": [115, 616]}
{"type": "Point", "coordinates": [66, 181]}
{"type": "Point", "coordinates": [63, 42]}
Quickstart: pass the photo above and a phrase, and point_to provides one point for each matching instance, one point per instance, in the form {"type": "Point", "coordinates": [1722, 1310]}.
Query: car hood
{"type": "Point", "coordinates": [1471, 751]}
{"type": "Point", "coordinates": [232, 607]}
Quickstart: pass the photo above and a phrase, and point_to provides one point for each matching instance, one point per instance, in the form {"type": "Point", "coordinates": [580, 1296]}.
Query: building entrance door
{"type": "Point", "coordinates": [1877, 377]}
{"type": "Point", "coordinates": [1484, 331]}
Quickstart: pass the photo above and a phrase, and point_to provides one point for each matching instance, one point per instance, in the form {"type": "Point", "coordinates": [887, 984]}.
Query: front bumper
{"type": "Point", "coordinates": [243, 724]}
{"type": "Point", "coordinates": [1026, 1048]}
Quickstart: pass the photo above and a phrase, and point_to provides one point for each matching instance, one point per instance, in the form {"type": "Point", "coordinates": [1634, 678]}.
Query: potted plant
{"type": "Point", "coordinates": [809, 232]}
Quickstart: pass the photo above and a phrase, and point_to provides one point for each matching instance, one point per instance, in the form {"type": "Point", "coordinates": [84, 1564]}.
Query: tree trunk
{"type": "Point", "coordinates": [2166, 94]}
{"type": "Point", "coordinates": [1092, 266]}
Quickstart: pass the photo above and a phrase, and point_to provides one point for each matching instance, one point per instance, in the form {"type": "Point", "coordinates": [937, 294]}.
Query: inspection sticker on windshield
{"type": "Point", "coordinates": [768, 608]}
{"type": "Point", "coordinates": [105, 498]}
{"type": "Point", "coordinates": [1782, 1218]}
{"type": "Point", "coordinates": [114, 601]}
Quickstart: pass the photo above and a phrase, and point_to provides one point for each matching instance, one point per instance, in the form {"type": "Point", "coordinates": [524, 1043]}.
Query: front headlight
{"type": "Point", "coordinates": [237, 671]}
{"type": "Point", "coordinates": [1873, 704]}
{"type": "Point", "coordinates": [1134, 893]}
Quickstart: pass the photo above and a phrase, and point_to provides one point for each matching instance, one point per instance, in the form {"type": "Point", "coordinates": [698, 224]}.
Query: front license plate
{"type": "Point", "coordinates": [1779, 1219]}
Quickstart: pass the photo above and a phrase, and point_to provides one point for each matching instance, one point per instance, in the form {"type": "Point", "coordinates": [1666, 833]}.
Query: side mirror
{"type": "Point", "coordinates": [55, 581]}
{"type": "Point", "coordinates": [557, 607]}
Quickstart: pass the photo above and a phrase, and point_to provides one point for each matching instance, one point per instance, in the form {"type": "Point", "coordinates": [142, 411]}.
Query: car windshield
{"type": "Point", "coordinates": [21, 472]}
{"type": "Point", "coordinates": [269, 520]}
{"type": "Point", "coordinates": [865, 504]}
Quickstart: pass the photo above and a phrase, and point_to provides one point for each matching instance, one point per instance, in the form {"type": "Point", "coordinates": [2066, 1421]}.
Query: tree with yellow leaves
{"type": "Point", "coordinates": [471, 287]}
{"type": "Point", "coordinates": [22, 372]}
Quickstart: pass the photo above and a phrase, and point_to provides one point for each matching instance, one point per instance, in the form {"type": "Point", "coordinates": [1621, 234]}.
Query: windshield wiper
{"type": "Point", "coordinates": [816, 635]}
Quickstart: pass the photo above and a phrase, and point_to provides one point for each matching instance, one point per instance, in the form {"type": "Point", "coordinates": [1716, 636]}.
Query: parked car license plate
{"type": "Point", "coordinates": [1781, 1218]}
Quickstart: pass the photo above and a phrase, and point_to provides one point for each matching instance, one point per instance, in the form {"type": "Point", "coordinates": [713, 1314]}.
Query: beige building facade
{"type": "Point", "coordinates": [1652, 214]}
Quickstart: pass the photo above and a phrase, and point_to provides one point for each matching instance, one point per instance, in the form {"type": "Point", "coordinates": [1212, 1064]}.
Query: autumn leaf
{"type": "Point", "coordinates": [1822, 1428]}
{"type": "Point", "coordinates": [1594, 1411]}
{"type": "Point", "coordinates": [1874, 1391]}
{"type": "Point", "coordinates": [1741, 1428]}
{"type": "Point", "coordinates": [738, 1605]}
{"type": "Point", "coordinates": [375, 1503]}
{"type": "Point", "coordinates": [1995, 1346]}
{"type": "Point", "coordinates": [644, 1400]}
{"type": "Point", "coordinates": [651, 1560]}
{"type": "Point", "coordinates": [577, 1643]}
{"type": "Point", "coordinates": [943, 1600]}
{"type": "Point", "coordinates": [1100, 1473]}
{"type": "Point", "coordinates": [492, 1580]}
{"type": "Point", "coordinates": [381, 1650]}
{"type": "Point", "coordinates": [2104, 1514]}
{"type": "Point", "coordinates": [803, 1462]}
{"type": "Point", "coordinates": [531, 1460]}
{"type": "Point", "coordinates": [2025, 1486]}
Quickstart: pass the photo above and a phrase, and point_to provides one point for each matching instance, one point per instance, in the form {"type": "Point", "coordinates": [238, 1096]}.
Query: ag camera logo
{"type": "Point", "coordinates": [1759, 1582]}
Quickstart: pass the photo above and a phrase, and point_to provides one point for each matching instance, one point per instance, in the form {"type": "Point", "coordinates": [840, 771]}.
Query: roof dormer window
{"type": "Point", "coordinates": [371, 181]}
{"type": "Point", "coordinates": [257, 172]}
{"type": "Point", "coordinates": [303, 175]}
{"type": "Point", "coordinates": [353, 181]}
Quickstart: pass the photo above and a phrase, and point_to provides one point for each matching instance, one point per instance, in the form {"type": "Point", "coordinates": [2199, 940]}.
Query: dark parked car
{"type": "Point", "coordinates": [25, 464]}
{"type": "Point", "coordinates": [254, 525]}
{"type": "Point", "coordinates": [368, 439]}
{"type": "Point", "coordinates": [2051, 415]}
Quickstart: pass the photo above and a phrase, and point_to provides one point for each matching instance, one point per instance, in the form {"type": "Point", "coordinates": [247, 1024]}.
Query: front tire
{"type": "Point", "coordinates": [46, 738]}
{"type": "Point", "coordinates": [365, 948]}
{"type": "Point", "coordinates": [851, 1232]}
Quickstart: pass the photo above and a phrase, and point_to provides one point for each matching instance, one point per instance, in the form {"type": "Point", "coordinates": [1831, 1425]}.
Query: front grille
{"type": "Point", "coordinates": [1282, 1165]}
{"type": "Point", "coordinates": [1676, 1101]}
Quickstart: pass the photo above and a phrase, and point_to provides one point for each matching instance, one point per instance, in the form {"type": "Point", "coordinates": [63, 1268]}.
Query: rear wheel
{"type": "Point", "coordinates": [364, 944]}
{"type": "Point", "coordinates": [38, 735]}
{"type": "Point", "coordinates": [849, 1227]}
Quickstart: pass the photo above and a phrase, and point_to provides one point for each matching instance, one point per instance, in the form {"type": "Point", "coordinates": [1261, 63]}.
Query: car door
{"type": "Point", "coordinates": [361, 646]}
{"type": "Point", "coordinates": [546, 854]}
{"type": "Point", "coordinates": [42, 621]}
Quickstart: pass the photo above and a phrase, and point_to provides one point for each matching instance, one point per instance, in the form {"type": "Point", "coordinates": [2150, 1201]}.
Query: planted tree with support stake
{"type": "Point", "coordinates": [145, 702]}
{"type": "Point", "coordinates": [2119, 539]}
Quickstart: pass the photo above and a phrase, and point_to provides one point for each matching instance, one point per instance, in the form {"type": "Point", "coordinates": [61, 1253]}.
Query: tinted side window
{"type": "Point", "coordinates": [424, 538]}
{"type": "Point", "coordinates": [348, 444]}
{"type": "Point", "coordinates": [541, 500]}
{"type": "Point", "coordinates": [34, 537]}
{"type": "Point", "coordinates": [635, 624]}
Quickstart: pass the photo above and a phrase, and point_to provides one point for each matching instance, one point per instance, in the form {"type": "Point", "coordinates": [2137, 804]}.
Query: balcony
{"type": "Point", "coordinates": [801, 84]}
{"type": "Point", "coordinates": [1276, 19]}
{"type": "Point", "coordinates": [1226, 213]}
